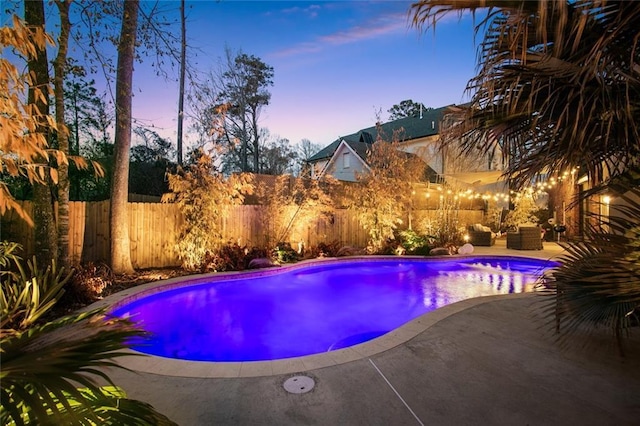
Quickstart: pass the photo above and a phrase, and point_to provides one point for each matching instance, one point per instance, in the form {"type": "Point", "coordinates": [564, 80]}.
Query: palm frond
{"type": "Point", "coordinates": [558, 85]}
{"type": "Point", "coordinates": [598, 282]}
{"type": "Point", "coordinates": [43, 366]}
{"type": "Point", "coordinates": [109, 406]}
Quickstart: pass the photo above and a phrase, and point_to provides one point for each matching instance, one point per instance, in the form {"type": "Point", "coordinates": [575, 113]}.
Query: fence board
{"type": "Point", "coordinates": [154, 229]}
{"type": "Point", "coordinates": [77, 226]}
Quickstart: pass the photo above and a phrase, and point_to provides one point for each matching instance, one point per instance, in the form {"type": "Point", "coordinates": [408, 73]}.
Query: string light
{"type": "Point", "coordinates": [537, 189]}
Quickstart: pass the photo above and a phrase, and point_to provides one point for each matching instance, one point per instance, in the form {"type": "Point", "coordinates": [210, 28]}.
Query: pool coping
{"type": "Point", "coordinates": [207, 369]}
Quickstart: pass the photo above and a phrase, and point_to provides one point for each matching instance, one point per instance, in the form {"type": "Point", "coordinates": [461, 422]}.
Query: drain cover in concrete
{"type": "Point", "coordinates": [299, 384]}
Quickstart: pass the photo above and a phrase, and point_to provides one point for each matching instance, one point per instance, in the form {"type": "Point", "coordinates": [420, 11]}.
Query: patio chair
{"type": "Point", "coordinates": [481, 236]}
{"type": "Point", "coordinates": [527, 238]}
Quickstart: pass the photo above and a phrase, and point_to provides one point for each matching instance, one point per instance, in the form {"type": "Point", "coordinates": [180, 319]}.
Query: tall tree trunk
{"type": "Point", "coordinates": [43, 216]}
{"type": "Point", "coordinates": [59, 66]}
{"type": "Point", "coordinates": [256, 141]}
{"type": "Point", "coordinates": [244, 151]}
{"type": "Point", "coordinates": [76, 150]}
{"type": "Point", "coordinates": [119, 218]}
{"type": "Point", "coordinates": [183, 65]}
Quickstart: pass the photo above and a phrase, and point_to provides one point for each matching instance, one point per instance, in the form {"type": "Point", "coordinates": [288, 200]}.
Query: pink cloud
{"type": "Point", "coordinates": [375, 28]}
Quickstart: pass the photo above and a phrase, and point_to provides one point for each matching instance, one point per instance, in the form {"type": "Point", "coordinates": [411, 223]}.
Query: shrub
{"type": "Point", "coordinates": [88, 283]}
{"type": "Point", "coordinates": [524, 211]}
{"type": "Point", "coordinates": [284, 253]}
{"type": "Point", "coordinates": [230, 257]}
{"type": "Point", "coordinates": [387, 247]}
{"type": "Point", "coordinates": [382, 196]}
{"type": "Point", "coordinates": [414, 243]}
{"type": "Point", "coordinates": [326, 249]}
{"type": "Point", "coordinates": [292, 205]}
{"type": "Point", "coordinates": [204, 196]}
{"type": "Point", "coordinates": [27, 293]}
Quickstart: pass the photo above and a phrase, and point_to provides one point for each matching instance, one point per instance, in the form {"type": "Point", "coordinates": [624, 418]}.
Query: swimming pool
{"type": "Point", "coordinates": [314, 307]}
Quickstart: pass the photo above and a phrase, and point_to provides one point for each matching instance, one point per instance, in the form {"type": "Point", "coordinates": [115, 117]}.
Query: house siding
{"type": "Point", "coordinates": [427, 149]}
{"type": "Point", "coordinates": [317, 168]}
{"type": "Point", "coordinates": [350, 174]}
{"type": "Point", "coordinates": [418, 136]}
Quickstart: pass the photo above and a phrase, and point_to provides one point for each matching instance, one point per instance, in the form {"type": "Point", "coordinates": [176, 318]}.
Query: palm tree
{"type": "Point", "coordinates": [558, 84]}
{"type": "Point", "coordinates": [598, 281]}
{"type": "Point", "coordinates": [43, 363]}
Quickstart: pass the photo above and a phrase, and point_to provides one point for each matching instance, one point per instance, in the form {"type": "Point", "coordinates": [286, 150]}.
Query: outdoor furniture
{"type": "Point", "coordinates": [527, 238]}
{"type": "Point", "coordinates": [481, 235]}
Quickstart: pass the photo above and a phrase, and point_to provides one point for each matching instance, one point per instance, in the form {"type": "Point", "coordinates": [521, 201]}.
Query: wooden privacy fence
{"type": "Point", "coordinates": [154, 229]}
{"type": "Point", "coordinates": [249, 225]}
{"type": "Point", "coordinates": [153, 232]}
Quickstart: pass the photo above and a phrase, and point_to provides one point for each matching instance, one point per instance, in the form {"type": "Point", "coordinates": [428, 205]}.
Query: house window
{"type": "Point", "coordinates": [346, 160]}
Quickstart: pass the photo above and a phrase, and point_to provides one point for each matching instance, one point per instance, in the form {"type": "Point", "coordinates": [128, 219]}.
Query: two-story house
{"type": "Point", "coordinates": [345, 158]}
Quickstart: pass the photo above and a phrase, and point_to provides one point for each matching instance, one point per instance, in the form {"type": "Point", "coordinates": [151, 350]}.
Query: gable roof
{"type": "Point", "coordinates": [325, 152]}
{"type": "Point", "coordinates": [414, 128]}
{"type": "Point", "coordinates": [362, 150]}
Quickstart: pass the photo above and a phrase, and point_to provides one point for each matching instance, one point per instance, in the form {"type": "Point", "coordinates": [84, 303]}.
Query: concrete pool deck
{"type": "Point", "coordinates": [480, 361]}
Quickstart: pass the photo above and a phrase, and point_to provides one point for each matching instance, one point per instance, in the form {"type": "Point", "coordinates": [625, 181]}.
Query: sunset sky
{"type": "Point", "coordinates": [336, 64]}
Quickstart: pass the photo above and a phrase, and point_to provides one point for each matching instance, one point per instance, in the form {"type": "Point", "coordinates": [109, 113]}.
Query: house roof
{"type": "Point", "coordinates": [413, 128]}
{"type": "Point", "coordinates": [362, 150]}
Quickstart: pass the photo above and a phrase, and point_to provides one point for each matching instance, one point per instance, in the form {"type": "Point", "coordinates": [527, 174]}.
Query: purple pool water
{"type": "Point", "coordinates": [315, 308]}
